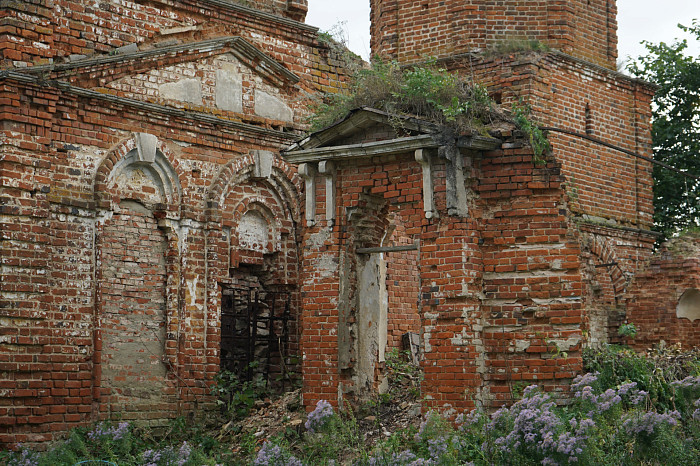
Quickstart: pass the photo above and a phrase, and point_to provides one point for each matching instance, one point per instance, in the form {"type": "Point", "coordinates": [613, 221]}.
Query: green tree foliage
{"type": "Point", "coordinates": [675, 130]}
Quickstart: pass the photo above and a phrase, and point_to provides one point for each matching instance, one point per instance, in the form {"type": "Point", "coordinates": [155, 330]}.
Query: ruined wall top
{"type": "Point", "coordinates": [41, 32]}
{"type": "Point", "coordinates": [410, 30]}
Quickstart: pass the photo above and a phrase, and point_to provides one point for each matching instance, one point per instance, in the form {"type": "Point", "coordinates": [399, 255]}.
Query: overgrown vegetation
{"type": "Point", "coordinates": [628, 409]}
{"type": "Point", "coordinates": [237, 396]}
{"type": "Point", "coordinates": [430, 93]}
{"type": "Point", "coordinates": [425, 91]}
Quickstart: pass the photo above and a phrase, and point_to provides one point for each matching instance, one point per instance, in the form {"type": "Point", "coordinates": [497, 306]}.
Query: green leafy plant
{"type": "Point", "coordinates": [627, 331]}
{"type": "Point", "coordinates": [403, 374]}
{"type": "Point", "coordinates": [522, 115]}
{"type": "Point", "coordinates": [236, 395]}
{"type": "Point", "coordinates": [426, 91]}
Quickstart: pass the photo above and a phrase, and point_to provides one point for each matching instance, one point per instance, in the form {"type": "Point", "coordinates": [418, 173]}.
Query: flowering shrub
{"type": "Point", "coordinates": [104, 431]}
{"type": "Point", "coordinates": [168, 456]}
{"type": "Point", "coordinates": [317, 418]}
{"type": "Point", "coordinates": [600, 426]}
{"type": "Point", "coordinates": [24, 457]}
{"type": "Point", "coordinates": [273, 455]}
{"type": "Point", "coordinates": [604, 423]}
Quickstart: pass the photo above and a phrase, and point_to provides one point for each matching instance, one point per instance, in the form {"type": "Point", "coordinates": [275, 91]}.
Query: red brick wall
{"type": "Point", "coordinates": [133, 319]}
{"type": "Point", "coordinates": [602, 182]}
{"type": "Point", "coordinates": [329, 267]}
{"type": "Point", "coordinates": [608, 192]}
{"type": "Point", "coordinates": [500, 290]}
{"type": "Point", "coordinates": [37, 31]}
{"type": "Point", "coordinates": [403, 286]}
{"type": "Point", "coordinates": [59, 205]}
{"type": "Point", "coordinates": [410, 31]}
{"type": "Point", "coordinates": [655, 292]}
{"type": "Point", "coordinates": [610, 257]}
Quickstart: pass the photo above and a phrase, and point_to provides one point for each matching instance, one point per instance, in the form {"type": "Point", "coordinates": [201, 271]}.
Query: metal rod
{"type": "Point", "coordinates": [620, 149]}
{"type": "Point", "coordinates": [606, 265]}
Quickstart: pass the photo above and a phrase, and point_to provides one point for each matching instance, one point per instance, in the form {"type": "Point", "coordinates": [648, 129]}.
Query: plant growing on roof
{"type": "Point", "coordinates": [427, 92]}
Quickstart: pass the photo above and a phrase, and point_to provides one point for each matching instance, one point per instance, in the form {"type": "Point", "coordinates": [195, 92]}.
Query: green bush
{"type": "Point", "coordinates": [428, 91]}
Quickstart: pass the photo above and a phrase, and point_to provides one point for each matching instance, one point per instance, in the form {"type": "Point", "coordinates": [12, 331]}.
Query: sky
{"type": "Point", "coordinates": [652, 20]}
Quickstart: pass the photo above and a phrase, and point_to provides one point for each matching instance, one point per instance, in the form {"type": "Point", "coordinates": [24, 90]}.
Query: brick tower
{"type": "Point", "coordinates": [409, 31]}
{"type": "Point", "coordinates": [558, 56]}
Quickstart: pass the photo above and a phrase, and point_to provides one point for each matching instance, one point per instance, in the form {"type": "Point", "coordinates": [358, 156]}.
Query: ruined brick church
{"type": "Point", "coordinates": [163, 215]}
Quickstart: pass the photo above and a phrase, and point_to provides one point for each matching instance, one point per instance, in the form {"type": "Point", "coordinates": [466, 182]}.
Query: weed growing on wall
{"type": "Point", "coordinates": [522, 116]}
{"type": "Point", "coordinates": [430, 93]}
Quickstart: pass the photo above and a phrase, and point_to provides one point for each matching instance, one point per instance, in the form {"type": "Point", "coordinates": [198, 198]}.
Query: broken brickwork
{"type": "Point", "coordinates": [664, 297]}
{"type": "Point", "coordinates": [497, 295]}
{"type": "Point", "coordinates": [560, 61]}
{"type": "Point", "coordinates": [145, 208]}
{"type": "Point", "coordinates": [140, 184]}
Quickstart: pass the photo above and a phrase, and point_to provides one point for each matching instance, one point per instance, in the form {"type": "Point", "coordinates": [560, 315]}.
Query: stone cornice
{"type": "Point", "coordinates": [240, 47]}
{"type": "Point", "coordinates": [229, 5]}
{"type": "Point", "coordinates": [388, 147]}
{"type": "Point", "coordinates": [147, 106]}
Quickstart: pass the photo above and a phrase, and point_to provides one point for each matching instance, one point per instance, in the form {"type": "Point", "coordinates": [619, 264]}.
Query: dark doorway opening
{"type": "Point", "coordinates": [255, 336]}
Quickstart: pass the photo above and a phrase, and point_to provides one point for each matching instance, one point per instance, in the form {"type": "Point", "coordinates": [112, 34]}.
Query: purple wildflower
{"type": "Point", "coordinates": [472, 418]}
{"type": "Point", "coordinates": [273, 455]}
{"type": "Point", "coordinates": [406, 457]}
{"type": "Point", "coordinates": [585, 380]}
{"type": "Point", "coordinates": [648, 422]}
{"type": "Point", "coordinates": [638, 397]}
{"type": "Point", "coordinates": [319, 416]}
{"type": "Point", "coordinates": [607, 400]}
{"type": "Point", "coordinates": [104, 431]}
{"type": "Point", "coordinates": [689, 382]}
{"type": "Point", "coordinates": [25, 458]}
{"type": "Point", "coordinates": [151, 457]}
{"type": "Point", "coordinates": [626, 388]}
{"type": "Point", "coordinates": [184, 454]}
{"type": "Point", "coordinates": [437, 448]}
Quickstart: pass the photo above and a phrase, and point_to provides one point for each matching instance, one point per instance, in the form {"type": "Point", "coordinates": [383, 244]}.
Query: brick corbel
{"type": "Point", "coordinates": [456, 192]}
{"type": "Point", "coordinates": [327, 169]}
{"type": "Point", "coordinates": [423, 158]}
{"type": "Point", "coordinates": [308, 172]}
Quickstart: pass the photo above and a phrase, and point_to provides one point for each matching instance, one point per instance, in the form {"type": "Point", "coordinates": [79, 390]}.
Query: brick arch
{"type": "Point", "coordinates": [270, 214]}
{"type": "Point", "coordinates": [283, 180]}
{"type": "Point", "coordinates": [156, 243]}
{"type": "Point", "coordinates": [603, 250]}
{"type": "Point", "coordinates": [165, 165]}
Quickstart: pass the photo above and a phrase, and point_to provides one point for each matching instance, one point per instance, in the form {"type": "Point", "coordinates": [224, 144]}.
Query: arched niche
{"type": "Point", "coordinates": [137, 269]}
{"type": "Point", "coordinates": [256, 228]}
{"type": "Point", "coordinates": [689, 305]}
{"type": "Point", "coordinates": [154, 181]}
{"type": "Point", "coordinates": [141, 169]}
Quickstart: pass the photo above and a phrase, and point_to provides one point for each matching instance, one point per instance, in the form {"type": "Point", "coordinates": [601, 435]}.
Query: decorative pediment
{"type": "Point", "coordinates": [370, 133]}
{"type": "Point", "coordinates": [228, 81]}
{"type": "Point", "coordinates": [104, 69]}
